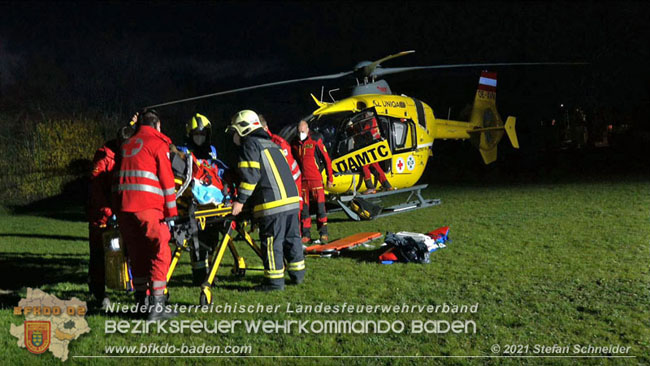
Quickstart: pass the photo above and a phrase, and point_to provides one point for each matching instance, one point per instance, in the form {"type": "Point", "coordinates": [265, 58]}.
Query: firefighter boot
{"type": "Point", "coordinates": [158, 311]}
{"type": "Point", "coordinates": [268, 287]}
{"type": "Point", "coordinates": [141, 299]}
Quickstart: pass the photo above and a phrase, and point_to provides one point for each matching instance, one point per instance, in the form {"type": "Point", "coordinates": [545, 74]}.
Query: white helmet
{"type": "Point", "coordinates": [244, 122]}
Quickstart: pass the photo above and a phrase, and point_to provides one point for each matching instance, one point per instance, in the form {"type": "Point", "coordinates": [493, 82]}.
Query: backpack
{"type": "Point", "coordinates": [408, 249]}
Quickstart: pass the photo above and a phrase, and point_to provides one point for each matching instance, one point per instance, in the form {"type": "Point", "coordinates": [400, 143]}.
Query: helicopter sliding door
{"type": "Point", "coordinates": [361, 141]}
{"type": "Point", "coordinates": [359, 131]}
{"type": "Point", "coordinates": [401, 137]}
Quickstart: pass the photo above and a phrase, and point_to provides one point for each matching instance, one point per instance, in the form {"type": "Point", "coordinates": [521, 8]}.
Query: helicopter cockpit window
{"type": "Point", "coordinates": [328, 126]}
{"type": "Point", "coordinates": [399, 134]}
{"type": "Point", "coordinates": [403, 135]}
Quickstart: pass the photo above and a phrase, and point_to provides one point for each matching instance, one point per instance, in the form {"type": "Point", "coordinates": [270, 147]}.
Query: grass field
{"type": "Point", "coordinates": [548, 264]}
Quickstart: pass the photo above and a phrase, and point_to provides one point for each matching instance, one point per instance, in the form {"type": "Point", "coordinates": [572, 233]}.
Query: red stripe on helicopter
{"type": "Point", "coordinates": [487, 88]}
{"type": "Point", "coordinates": [489, 75]}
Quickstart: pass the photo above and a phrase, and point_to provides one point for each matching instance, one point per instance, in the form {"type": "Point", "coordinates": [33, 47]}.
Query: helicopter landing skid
{"type": "Point", "coordinates": [409, 205]}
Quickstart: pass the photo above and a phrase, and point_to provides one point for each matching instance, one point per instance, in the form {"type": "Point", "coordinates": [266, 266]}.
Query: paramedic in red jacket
{"type": "Point", "coordinates": [100, 211]}
{"type": "Point", "coordinates": [286, 151]}
{"type": "Point", "coordinates": [309, 151]}
{"type": "Point", "coordinates": [146, 196]}
{"type": "Point", "coordinates": [372, 129]}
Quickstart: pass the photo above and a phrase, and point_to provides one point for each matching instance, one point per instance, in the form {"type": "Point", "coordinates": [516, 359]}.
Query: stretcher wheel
{"type": "Point", "coordinates": [206, 297]}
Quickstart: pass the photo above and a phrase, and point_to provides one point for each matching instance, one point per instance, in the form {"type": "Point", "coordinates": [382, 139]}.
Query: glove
{"type": "Point", "coordinates": [112, 222]}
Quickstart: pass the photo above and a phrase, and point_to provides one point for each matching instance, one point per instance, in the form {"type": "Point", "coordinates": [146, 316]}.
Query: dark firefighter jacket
{"type": "Point", "coordinates": [266, 180]}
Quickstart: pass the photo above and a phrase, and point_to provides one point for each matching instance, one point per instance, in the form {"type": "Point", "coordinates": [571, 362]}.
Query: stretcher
{"type": "Point", "coordinates": [194, 218]}
{"type": "Point", "coordinates": [343, 243]}
{"type": "Point", "coordinates": [184, 230]}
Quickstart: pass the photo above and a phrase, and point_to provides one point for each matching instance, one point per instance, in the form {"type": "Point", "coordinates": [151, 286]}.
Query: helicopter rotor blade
{"type": "Point", "coordinates": [394, 70]}
{"type": "Point", "coordinates": [368, 69]}
{"type": "Point", "coordinates": [231, 91]}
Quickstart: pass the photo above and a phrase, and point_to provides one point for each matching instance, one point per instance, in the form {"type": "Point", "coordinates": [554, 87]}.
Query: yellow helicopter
{"type": "Point", "coordinates": [407, 129]}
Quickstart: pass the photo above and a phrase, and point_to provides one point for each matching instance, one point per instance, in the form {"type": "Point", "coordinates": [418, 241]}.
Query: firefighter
{"type": "Point", "coordinates": [286, 151]}
{"type": "Point", "coordinates": [146, 195]}
{"type": "Point", "coordinates": [198, 141]}
{"type": "Point", "coordinates": [312, 156]}
{"type": "Point", "coordinates": [100, 212]}
{"type": "Point", "coordinates": [268, 189]}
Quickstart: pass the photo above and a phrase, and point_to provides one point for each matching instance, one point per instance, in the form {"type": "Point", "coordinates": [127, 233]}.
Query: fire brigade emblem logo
{"type": "Point", "coordinates": [132, 147]}
{"type": "Point", "coordinates": [49, 324]}
{"type": "Point", "coordinates": [37, 336]}
{"type": "Point", "coordinates": [399, 165]}
{"type": "Point", "coordinates": [410, 163]}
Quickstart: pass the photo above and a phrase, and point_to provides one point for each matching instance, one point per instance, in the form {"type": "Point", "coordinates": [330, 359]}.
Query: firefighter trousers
{"type": "Point", "coordinates": [313, 189]}
{"type": "Point", "coordinates": [280, 240]}
{"type": "Point", "coordinates": [199, 256]}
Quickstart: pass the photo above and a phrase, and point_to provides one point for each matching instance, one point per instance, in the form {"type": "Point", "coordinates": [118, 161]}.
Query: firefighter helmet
{"type": "Point", "coordinates": [198, 122]}
{"type": "Point", "coordinates": [244, 122]}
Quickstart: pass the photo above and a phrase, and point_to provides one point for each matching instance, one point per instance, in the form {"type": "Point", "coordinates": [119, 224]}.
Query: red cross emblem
{"type": "Point", "coordinates": [400, 165]}
{"type": "Point", "coordinates": [132, 147]}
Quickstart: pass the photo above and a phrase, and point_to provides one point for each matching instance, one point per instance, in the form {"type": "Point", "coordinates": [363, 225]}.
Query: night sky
{"type": "Point", "coordinates": [115, 57]}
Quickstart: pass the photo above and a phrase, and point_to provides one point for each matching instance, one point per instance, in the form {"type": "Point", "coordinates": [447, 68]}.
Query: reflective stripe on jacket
{"type": "Point", "coordinates": [145, 178]}
{"type": "Point", "coordinates": [266, 180]}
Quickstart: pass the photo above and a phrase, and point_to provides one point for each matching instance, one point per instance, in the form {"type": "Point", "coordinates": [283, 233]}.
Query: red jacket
{"type": "Point", "coordinates": [101, 178]}
{"type": "Point", "coordinates": [145, 177]}
{"type": "Point", "coordinates": [374, 129]}
{"type": "Point", "coordinates": [286, 151]}
{"type": "Point", "coordinates": [311, 154]}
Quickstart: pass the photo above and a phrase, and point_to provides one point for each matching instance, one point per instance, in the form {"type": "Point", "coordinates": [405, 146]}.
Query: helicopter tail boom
{"type": "Point", "coordinates": [487, 127]}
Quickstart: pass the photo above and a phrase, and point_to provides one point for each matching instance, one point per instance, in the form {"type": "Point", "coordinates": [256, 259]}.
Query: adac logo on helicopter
{"type": "Point", "coordinates": [370, 154]}
{"type": "Point", "coordinates": [388, 103]}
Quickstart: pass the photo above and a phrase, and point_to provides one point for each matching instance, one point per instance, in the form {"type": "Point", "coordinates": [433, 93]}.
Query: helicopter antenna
{"type": "Point", "coordinates": [322, 89]}
{"type": "Point", "coordinates": [330, 93]}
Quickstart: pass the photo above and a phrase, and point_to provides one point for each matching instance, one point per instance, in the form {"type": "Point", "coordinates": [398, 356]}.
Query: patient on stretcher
{"type": "Point", "coordinates": [206, 185]}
